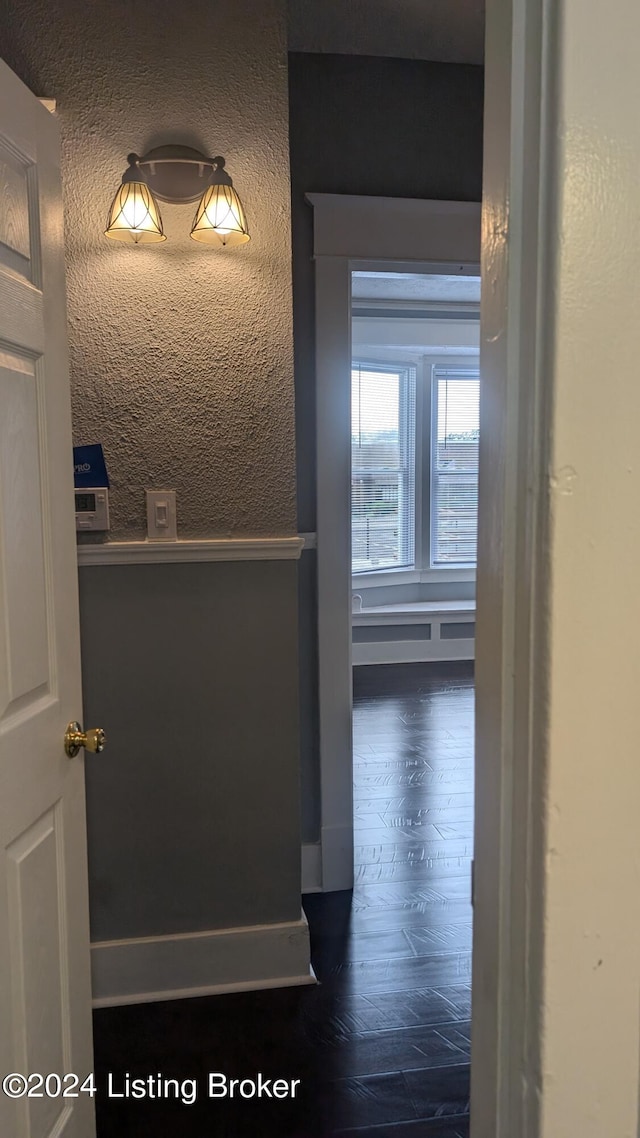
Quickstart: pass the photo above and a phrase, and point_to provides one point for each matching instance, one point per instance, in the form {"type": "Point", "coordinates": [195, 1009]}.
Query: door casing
{"type": "Point", "coordinates": [351, 232]}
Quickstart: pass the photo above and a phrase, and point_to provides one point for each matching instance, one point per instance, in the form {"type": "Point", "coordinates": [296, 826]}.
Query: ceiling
{"type": "Point", "coordinates": [448, 31]}
{"type": "Point", "coordinates": [369, 285]}
{"type": "Point", "coordinates": [416, 328]}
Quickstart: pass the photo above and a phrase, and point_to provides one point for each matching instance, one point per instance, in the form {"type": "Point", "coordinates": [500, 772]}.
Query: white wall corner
{"type": "Point", "coordinates": [149, 969]}
{"type": "Point", "coordinates": [337, 858]}
{"type": "Point", "coordinates": [312, 867]}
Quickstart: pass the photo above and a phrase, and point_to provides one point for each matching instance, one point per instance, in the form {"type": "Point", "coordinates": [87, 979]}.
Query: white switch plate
{"type": "Point", "coordinates": [161, 515]}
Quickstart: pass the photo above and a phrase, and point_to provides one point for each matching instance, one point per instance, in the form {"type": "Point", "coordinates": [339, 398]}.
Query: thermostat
{"type": "Point", "coordinates": [92, 508]}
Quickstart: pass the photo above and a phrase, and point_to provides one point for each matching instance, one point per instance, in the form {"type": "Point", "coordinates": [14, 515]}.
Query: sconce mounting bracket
{"type": "Point", "coordinates": [176, 174]}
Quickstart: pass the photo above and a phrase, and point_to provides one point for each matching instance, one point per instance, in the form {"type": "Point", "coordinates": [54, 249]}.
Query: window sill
{"type": "Point", "coordinates": [414, 612]}
{"type": "Point", "coordinates": [383, 577]}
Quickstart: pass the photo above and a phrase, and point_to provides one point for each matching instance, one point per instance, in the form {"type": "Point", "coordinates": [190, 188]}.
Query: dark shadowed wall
{"type": "Point", "coordinates": [371, 126]}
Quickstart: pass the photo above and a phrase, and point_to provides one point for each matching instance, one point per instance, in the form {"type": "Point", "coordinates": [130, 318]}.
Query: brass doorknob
{"type": "Point", "coordinates": [93, 740]}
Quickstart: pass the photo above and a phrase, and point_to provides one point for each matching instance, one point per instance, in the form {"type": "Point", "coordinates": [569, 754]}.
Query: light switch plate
{"type": "Point", "coordinates": [161, 515]}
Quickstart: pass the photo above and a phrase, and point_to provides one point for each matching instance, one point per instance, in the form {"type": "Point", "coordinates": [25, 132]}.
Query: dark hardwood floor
{"type": "Point", "coordinates": [381, 1045]}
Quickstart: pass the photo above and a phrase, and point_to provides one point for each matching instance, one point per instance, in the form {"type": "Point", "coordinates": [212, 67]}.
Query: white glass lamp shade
{"type": "Point", "coordinates": [220, 218]}
{"type": "Point", "coordinates": [134, 214]}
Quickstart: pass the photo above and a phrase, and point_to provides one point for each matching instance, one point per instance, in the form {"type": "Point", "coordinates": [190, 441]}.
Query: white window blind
{"type": "Point", "coordinates": [383, 402]}
{"type": "Point", "coordinates": [454, 482]}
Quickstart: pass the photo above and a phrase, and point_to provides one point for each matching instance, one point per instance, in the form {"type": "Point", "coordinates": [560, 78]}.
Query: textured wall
{"type": "Point", "coordinates": [358, 125]}
{"type": "Point", "coordinates": [181, 356]}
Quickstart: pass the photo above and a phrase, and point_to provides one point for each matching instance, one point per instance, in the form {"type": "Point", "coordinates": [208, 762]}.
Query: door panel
{"type": "Point", "coordinates": [22, 564]}
{"type": "Point", "coordinates": [37, 917]}
{"type": "Point", "coordinates": [16, 195]}
{"type": "Point", "coordinates": [45, 993]}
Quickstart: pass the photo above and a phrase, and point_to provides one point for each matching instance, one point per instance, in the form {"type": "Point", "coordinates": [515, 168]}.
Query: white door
{"type": "Point", "coordinates": [45, 992]}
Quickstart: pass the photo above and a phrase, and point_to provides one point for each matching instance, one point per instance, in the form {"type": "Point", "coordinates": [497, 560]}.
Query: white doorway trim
{"type": "Point", "coordinates": [519, 242]}
{"type": "Point", "coordinates": [402, 234]}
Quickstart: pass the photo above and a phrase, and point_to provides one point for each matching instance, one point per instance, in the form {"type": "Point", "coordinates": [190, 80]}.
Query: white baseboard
{"type": "Point", "coordinates": [312, 867]}
{"type": "Point", "coordinates": [412, 651]}
{"type": "Point", "coordinates": [149, 969]}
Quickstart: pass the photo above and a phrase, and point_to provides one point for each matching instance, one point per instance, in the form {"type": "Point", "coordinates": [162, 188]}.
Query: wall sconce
{"type": "Point", "coordinates": [177, 174]}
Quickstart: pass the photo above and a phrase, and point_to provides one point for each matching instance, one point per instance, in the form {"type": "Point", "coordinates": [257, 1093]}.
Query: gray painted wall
{"type": "Point", "coordinates": [362, 125]}
{"type": "Point", "coordinates": [409, 29]}
{"type": "Point", "coordinates": [193, 808]}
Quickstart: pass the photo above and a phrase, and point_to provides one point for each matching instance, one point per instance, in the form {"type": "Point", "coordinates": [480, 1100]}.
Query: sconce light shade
{"type": "Point", "coordinates": [220, 218]}
{"type": "Point", "coordinates": [134, 214]}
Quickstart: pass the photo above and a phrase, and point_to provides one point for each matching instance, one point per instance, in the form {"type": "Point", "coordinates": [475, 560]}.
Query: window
{"type": "Point", "coordinates": [454, 466]}
{"type": "Point", "coordinates": [383, 469]}
{"type": "Point", "coordinates": [414, 464]}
